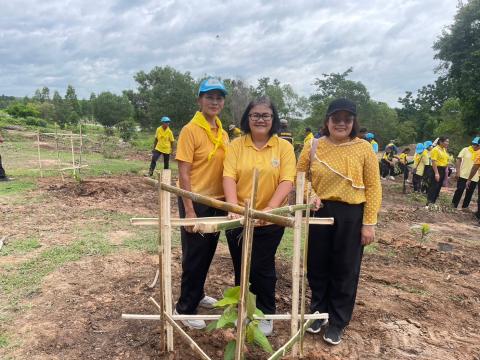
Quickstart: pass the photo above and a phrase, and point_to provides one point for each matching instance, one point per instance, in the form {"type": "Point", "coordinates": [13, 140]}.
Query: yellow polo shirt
{"type": "Point", "coordinates": [440, 155]}
{"type": "Point", "coordinates": [403, 158]}
{"type": "Point", "coordinates": [347, 173]}
{"type": "Point", "coordinates": [308, 138]}
{"type": "Point", "coordinates": [419, 162]}
{"type": "Point", "coordinates": [164, 140]}
{"type": "Point", "coordinates": [275, 162]}
{"type": "Point", "coordinates": [193, 147]}
{"type": "Point", "coordinates": [468, 156]}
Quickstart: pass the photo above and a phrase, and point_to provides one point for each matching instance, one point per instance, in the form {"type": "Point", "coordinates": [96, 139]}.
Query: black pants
{"type": "Point", "coordinates": [435, 186]}
{"type": "Point", "coordinates": [417, 183]}
{"type": "Point", "coordinates": [461, 184]}
{"type": "Point", "coordinates": [263, 276]}
{"type": "Point", "coordinates": [386, 169]}
{"type": "Point", "coordinates": [427, 178]}
{"type": "Point", "coordinates": [197, 254]}
{"type": "Point", "coordinates": [2, 170]}
{"type": "Point", "coordinates": [155, 156]}
{"type": "Point", "coordinates": [334, 259]}
{"type": "Point", "coordinates": [405, 171]}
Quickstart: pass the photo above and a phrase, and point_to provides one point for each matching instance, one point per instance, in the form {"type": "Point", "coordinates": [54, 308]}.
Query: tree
{"type": "Point", "coordinates": [60, 113]}
{"type": "Point", "coordinates": [110, 109]}
{"type": "Point", "coordinates": [72, 105]}
{"type": "Point", "coordinates": [239, 95]}
{"type": "Point", "coordinates": [22, 110]}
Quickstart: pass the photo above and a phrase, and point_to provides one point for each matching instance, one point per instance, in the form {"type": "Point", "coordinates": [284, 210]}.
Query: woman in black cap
{"type": "Point", "coordinates": [346, 186]}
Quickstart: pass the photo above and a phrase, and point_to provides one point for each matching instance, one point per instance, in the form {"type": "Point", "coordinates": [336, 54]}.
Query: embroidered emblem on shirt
{"type": "Point", "coordinates": [275, 163]}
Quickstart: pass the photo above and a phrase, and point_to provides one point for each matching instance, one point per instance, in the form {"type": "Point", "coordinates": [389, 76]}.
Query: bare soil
{"type": "Point", "coordinates": [416, 299]}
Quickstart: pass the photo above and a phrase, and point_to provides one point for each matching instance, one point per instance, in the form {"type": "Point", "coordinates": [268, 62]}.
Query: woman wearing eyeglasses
{"type": "Point", "coordinates": [346, 186]}
{"type": "Point", "coordinates": [200, 154]}
{"type": "Point", "coordinates": [274, 157]}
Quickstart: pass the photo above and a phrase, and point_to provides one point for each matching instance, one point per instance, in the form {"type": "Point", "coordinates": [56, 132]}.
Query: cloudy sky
{"type": "Point", "coordinates": [98, 45]}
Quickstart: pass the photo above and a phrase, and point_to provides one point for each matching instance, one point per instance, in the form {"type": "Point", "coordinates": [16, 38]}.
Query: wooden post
{"type": "Point", "coordinates": [73, 154]}
{"type": "Point", "coordinates": [245, 269]}
{"type": "Point", "coordinates": [39, 157]}
{"type": "Point", "coordinates": [166, 234]}
{"type": "Point", "coordinates": [81, 149]}
{"type": "Point", "coordinates": [58, 153]}
{"type": "Point", "coordinates": [304, 270]}
{"type": "Point", "coordinates": [161, 268]}
{"type": "Point", "coordinates": [297, 244]}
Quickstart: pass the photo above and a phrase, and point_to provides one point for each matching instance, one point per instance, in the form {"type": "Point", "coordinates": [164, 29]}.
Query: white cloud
{"type": "Point", "coordinates": [99, 45]}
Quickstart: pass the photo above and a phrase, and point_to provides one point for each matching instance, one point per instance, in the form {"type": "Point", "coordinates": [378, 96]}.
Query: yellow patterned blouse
{"type": "Point", "coordinates": [348, 172]}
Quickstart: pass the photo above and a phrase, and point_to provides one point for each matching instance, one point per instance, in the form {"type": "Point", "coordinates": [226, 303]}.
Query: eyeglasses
{"type": "Point", "coordinates": [337, 119]}
{"type": "Point", "coordinates": [214, 99]}
{"type": "Point", "coordinates": [257, 116]}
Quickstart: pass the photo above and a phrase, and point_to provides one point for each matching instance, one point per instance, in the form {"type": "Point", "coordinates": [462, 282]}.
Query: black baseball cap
{"type": "Point", "coordinates": [342, 104]}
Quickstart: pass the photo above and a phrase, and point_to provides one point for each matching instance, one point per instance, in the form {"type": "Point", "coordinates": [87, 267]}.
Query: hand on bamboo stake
{"type": "Point", "coordinates": [232, 216]}
{"type": "Point", "coordinates": [316, 203]}
{"type": "Point", "coordinates": [260, 222]}
{"type": "Point", "coordinates": [190, 214]}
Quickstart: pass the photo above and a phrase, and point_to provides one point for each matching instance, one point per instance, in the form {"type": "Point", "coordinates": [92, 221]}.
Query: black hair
{"type": "Point", "coordinates": [308, 129]}
{"type": "Point", "coordinates": [363, 130]}
{"type": "Point", "coordinates": [263, 100]}
{"type": "Point", "coordinates": [442, 139]}
{"type": "Point", "coordinates": [353, 133]}
{"type": "Point", "coordinates": [406, 150]}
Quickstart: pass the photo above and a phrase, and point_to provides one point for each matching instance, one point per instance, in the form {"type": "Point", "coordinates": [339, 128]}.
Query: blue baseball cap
{"type": "Point", "coordinates": [165, 119]}
{"type": "Point", "coordinates": [212, 84]}
{"type": "Point", "coordinates": [369, 136]}
{"type": "Point", "coordinates": [420, 148]}
{"type": "Point", "coordinates": [427, 144]}
{"type": "Point", "coordinates": [476, 140]}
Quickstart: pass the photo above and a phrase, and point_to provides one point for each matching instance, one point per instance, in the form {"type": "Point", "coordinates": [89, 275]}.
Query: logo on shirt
{"type": "Point", "coordinates": [275, 163]}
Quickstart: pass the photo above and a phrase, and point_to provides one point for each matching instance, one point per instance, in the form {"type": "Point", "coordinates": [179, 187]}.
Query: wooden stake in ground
{"type": "Point", "coordinates": [73, 154]}
{"type": "Point", "coordinates": [297, 244]}
{"type": "Point", "coordinates": [166, 235]}
{"type": "Point", "coordinates": [39, 157]}
{"type": "Point", "coordinates": [58, 153]}
{"type": "Point", "coordinates": [245, 269]}
{"type": "Point", "coordinates": [81, 149]}
{"type": "Point", "coordinates": [161, 267]}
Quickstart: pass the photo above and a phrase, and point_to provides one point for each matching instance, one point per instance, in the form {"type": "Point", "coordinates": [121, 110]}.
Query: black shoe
{"type": "Point", "coordinates": [333, 335]}
{"type": "Point", "coordinates": [316, 326]}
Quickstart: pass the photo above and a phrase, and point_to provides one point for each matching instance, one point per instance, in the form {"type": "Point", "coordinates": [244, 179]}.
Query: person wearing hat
{"type": "Point", "coordinates": [3, 175]}
{"type": "Point", "coordinates": [346, 186]}
{"type": "Point", "coordinates": [234, 131]}
{"type": "Point", "coordinates": [387, 164]}
{"type": "Point", "coordinates": [420, 160]}
{"type": "Point", "coordinates": [440, 158]}
{"type": "Point", "coordinates": [284, 132]}
{"type": "Point", "coordinates": [428, 172]}
{"type": "Point", "coordinates": [362, 133]}
{"type": "Point", "coordinates": [308, 135]}
{"type": "Point", "coordinates": [464, 165]}
{"type": "Point", "coordinates": [274, 157]}
{"type": "Point", "coordinates": [370, 137]}
{"type": "Point", "coordinates": [162, 145]}
{"type": "Point", "coordinates": [200, 154]}
{"type": "Point", "coordinates": [392, 145]}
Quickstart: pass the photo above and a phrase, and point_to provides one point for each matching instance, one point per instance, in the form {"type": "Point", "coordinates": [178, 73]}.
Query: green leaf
{"type": "Point", "coordinates": [251, 305]}
{"type": "Point", "coordinates": [251, 332]}
{"type": "Point", "coordinates": [229, 353]}
{"type": "Point", "coordinates": [212, 326]}
{"type": "Point", "coordinates": [259, 313]}
{"type": "Point", "coordinates": [225, 302]}
{"type": "Point", "coordinates": [233, 292]}
{"type": "Point", "coordinates": [262, 341]}
{"type": "Point", "coordinates": [228, 317]}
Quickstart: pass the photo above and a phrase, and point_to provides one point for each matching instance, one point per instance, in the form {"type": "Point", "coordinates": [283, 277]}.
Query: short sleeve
{"type": "Point", "coordinates": [231, 160]}
{"type": "Point", "coordinates": [461, 154]}
{"type": "Point", "coordinates": [287, 162]}
{"type": "Point", "coordinates": [373, 189]}
{"type": "Point", "coordinates": [172, 138]}
{"type": "Point", "coordinates": [304, 159]}
{"type": "Point", "coordinates": [185, 145]}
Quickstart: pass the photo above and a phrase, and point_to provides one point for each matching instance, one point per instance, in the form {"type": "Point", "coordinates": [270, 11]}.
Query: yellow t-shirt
{"type": "Point", "coordinates": [275, 162]}
{"type": "Point", "coordinates": [308, 138]}
{"type": "Point", "coordinates": [419, 162]}
{"type": "Point", "coordinates": [403, 158]}
{"type": "Point", "coordinates": [347, 172]}
{"type": "Point", "coordinates": [164, 140]}
{"type": "Point", "coordinates": [440, 155]}
{"type": "Point", "coordinates": [193, 147]}
{"type": "Point", "coordinates": [237, 132]}
{"type": "Point", "coordinates": [468, 156]}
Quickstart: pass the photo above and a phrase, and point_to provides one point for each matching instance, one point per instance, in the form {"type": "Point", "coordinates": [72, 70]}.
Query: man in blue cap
{"type": "Point", "coordinates": [370, 137]}
{"type": "Point", "coordinates": [162, 145]}
{"type": "Point", "coordinates": [464, 164]}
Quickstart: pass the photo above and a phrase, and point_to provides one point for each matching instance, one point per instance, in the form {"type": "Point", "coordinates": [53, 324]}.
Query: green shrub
{"type": "Point", "coordinates": [126, 128]}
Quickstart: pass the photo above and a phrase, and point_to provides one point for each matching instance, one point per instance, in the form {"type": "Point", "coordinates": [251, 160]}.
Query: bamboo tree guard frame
{"type": "Point", "coordinates": [164, 222]}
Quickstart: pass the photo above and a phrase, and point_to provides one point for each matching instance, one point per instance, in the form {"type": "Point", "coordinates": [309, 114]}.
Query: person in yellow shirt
{"type": "Point", "coordinates": [200, 154]}
{"type": "Point", "coordinates": [439, 157]}
{"type": "Point", "coordinates": [473, 172]}
{"type": "Point", "coordinates": [428, 172]}
{"type": "Point", "coordinates": [308, 135]}
{"type": "Point", "coordinates": [420, 160]}
{"type": "Point", "coordinates": [234, 131]}
{"type": "Point", "coordinates": [274, 157]}
{"type": "Point", "coordinates": [464, 165]}
{"type": "Point", "coordinates": [162, 145]}
{"type": "Point", "coordinates": [346, 184]}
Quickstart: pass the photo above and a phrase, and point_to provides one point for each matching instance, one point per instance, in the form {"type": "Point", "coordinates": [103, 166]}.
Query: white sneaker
{"type": "Point", "coordinates": [193, 324]}
{"type": "Point", "coordinates": [266, 327]}
{"type": "Point", "coordinates": [207, 302]}
{"type": "Point", "coordinates": [391, 178]}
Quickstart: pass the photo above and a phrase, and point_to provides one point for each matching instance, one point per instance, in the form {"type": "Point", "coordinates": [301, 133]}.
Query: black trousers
{"type": "Point", "coordinates": [197, 254]}
{"type": "Point", "coordinates": [461, 185]}
{"type": "Point", "coordinates": [386, 169]}
{"type": "Point", "coordinates": [435, 186]}
{"type": "Point", "coordinates": [334, 258]}
{"type": "Point", "coordinates": [417, 183]}
{"type": "Point", "coordinates": [405, 171]}
{"type": "Point", "coordinates": [427, 178]}
{"type": "Point", "coordinates": [2, 170]}
{"type": "Point", "coordinates": [155, 156]}
{"type": "Point", "coordinates": [263, 276]}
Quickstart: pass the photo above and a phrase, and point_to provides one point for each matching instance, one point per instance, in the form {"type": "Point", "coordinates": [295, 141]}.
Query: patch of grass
{"type": "Point", "coordinates": [4, 340]}
{"type": "Point", "coordinates": [417, 198]}
{"type": "Point", "coordinates": [285, 249]}
{"type": "Point", "coordinates": [371, 249]}
{"type": "Point", "coordinates": [146, 240]}
{"type": "Point", "coordinates": [22, 246]}
{"type": "Point", "coordinates": [15, 186]}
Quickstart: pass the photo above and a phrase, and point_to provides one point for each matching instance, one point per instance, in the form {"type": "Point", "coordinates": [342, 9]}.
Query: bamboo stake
{"type": "Point", "coordinates": [58, 153]}
{"type": "Point", "coordinates": [180, 317]}
{"type": "Point", "coordinates": [61, 134]}
{"type": "Point", "coordinates": [222, 205]}
{"type": "Point", "coordinates": [154, 282]}
{"type": "Point", "coordinates": [304, 269]}
{"type": "Point", "coordinates": [73, 154]}
{"type": "Point", "coordinates": [39, 157]}
{"type": "Point", "coordinates": [293, 340]}
{"type": "Point", "coordinates": [245, 269]}
{"type": "Point", "coordinates": [81, 148]}
{"type": "Point", "coordinates": [166, 234]}
{"type": "Point", "coordinates": [297, 244]}
{"type": "Point", "coordinates": [2, 242]}
{"type": "Point", "coordinates": [161, 267]}
{"type": "Point", "coordinates": [73, 167]}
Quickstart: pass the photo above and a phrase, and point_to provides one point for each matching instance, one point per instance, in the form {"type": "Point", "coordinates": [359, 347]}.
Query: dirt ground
{"type": "Point", "coordinates": [416, 299]}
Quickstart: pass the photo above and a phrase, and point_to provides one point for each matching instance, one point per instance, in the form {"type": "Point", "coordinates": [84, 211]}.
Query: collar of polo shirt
{"type": "Point", "coordinates": [249, 142]}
